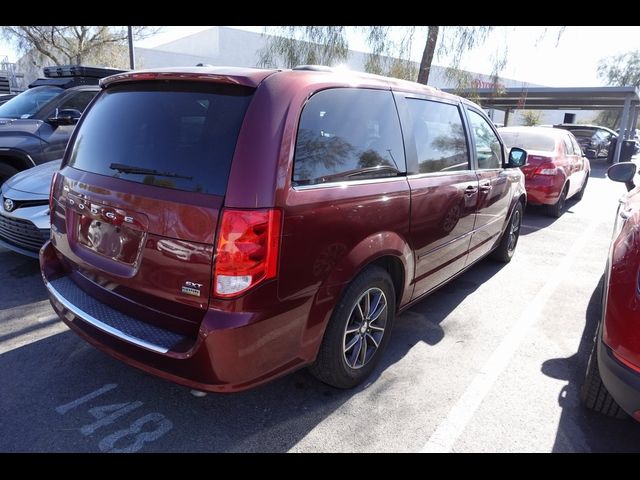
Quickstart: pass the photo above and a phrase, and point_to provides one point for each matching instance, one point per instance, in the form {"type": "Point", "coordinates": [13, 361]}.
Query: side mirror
{"type": "Point", "coordinates": [517, 157]}
{"type": "Point", "coordinates": [623, 172]}
{"type": "Point", "coordinates": [67, 116]}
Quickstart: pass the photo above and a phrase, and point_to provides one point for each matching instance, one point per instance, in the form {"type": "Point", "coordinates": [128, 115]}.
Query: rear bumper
{"type": "Point", "coordinates": [622, 383]}
{"type": "Point", "coordinates": [232, 351]}
{"type": "Point", "coordinates": [543, 189]}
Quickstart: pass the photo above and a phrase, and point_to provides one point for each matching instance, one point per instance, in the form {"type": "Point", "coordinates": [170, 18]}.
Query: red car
{"type": "Point", "coordinates": [612, 383]}
{"type": "Point", "coordinates": [556, 168]}
{"type": "Point", "coordinates": [220, 227]}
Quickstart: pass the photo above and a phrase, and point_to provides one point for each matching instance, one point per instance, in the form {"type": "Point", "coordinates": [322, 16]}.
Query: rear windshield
{"type": "Point", "coordinates": [528, 140]}
{"type": "Point", "coordinates": [172, 134]}
{"type": "Point", "coordinates": [582, 133]}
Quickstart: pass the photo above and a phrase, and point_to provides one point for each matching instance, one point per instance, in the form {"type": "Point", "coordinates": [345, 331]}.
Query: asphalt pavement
{"type": "Point", "coordinates": [492, 362]}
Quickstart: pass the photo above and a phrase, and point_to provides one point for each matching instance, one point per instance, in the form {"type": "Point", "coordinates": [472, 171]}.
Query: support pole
{"type": "Point", "coordinates": [623, 123]}
{"type": "Point", "coordinates": [132, 59]}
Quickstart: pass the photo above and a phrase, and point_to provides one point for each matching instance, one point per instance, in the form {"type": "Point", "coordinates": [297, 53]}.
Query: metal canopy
{"type": "Point", "coordinates": [573, 98]}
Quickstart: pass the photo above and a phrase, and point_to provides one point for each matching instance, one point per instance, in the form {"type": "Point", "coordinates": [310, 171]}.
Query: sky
{"type": "Point", "coordinates": [572, 62]}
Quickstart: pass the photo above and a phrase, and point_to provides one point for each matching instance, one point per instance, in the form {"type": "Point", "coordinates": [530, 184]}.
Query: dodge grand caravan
{"type": "Point", "coordinates": [220, 227]}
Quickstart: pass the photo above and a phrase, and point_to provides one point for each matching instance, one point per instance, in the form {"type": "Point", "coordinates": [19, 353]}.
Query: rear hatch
{"type": "Point", "coordinates": [137, 201]}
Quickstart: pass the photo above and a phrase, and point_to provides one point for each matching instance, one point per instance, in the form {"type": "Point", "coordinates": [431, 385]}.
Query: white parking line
{"type": "Point", "coordinates": [448, 431]}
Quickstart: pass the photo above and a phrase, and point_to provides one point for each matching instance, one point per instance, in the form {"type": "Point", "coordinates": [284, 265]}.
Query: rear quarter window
{"type": "Point", "coordinates": [348, 134]}
{"type": "Point", "coordinates": [176, 135]}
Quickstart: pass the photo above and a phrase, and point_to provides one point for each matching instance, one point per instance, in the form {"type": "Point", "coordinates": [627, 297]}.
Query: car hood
{"type": "Point", "coordinates": [36, 180]}
{"type": "Point", "coordinates": [21, 125]}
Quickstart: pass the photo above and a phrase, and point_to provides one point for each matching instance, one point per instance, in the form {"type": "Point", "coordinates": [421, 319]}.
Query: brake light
{"type": "Point", "coordinates": [246, 250]}
{"type": "Point", "coordinates": [546, 168]}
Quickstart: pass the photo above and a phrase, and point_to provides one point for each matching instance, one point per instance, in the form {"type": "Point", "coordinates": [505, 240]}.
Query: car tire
{"type": "Point", "coordinates": [341, 361]}
{"type": "Point", "coordinates": [556, 209]}
{"type": "Point", "coordinates": [507, 246]}
{"type": "Point", "coordinates": [6, 171]}
{"type": "Point", "coordinates": [580, 194]}
{"type": "Point", "coordinates": [594, 394]}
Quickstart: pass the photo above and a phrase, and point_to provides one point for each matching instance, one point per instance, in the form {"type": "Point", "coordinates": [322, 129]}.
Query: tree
{"type": "Point", "coordinates": [618, 71]}
{"type": "Point", "coordinates": [294, 45]}
{"type": "Point", "coordinates": [305, 45]}
{"type": "Point", "coordinates": [531, 118]}
{"type": "Point", "coordinates": [72, 44]}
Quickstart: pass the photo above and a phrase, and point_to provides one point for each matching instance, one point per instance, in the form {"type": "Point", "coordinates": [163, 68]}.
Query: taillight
{"type": "Point", "coordinates": [246, 250]}
{"type": "Point", "coordinates": [546, 169]}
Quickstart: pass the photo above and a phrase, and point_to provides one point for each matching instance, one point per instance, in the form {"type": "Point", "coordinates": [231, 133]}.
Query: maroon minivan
{"type": "Point", "coordinates": [220, 227]}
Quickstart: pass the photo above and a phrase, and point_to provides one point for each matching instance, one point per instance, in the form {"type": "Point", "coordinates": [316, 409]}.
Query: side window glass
{"type": "Point", "coordinates": [440, 140]}
{"type": "Point", "coordinates": [568, 146]}
{"type": "Point", "coordinates": [348, 134]}
{"type": "Point", "coordinates": [79, 101]}
{"type": "Point", "coordinates": [487, 143]}
{"type": "Point", "coordinates": [576, 146]}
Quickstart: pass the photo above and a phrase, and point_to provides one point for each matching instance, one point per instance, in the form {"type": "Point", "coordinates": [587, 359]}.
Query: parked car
{"type": "Point", "coordinates": [35, 125]}
{"type": "Point", "coordinates": [612, 382]}
{"type": "Point", "coordinates": [5, 98]}
{"type": "Point", "coordinates": [24, 209]}
{"type": "Point", "coordinates": [556, 169]}
{"type": "Point", "coordinates": [594, 140]}
{"type": "Point", "coordinates": [300, 218]}
{"type": "Point", "coordinates": [635, 138]}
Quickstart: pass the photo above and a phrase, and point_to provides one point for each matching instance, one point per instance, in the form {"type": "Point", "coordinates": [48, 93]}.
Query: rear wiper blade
{"type": "Point", "coordinates": [122, 168]}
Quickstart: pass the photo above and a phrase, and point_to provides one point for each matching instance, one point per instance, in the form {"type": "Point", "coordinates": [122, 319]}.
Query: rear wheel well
{"type": "Point", "coordinates": [15, 162]}
{"type": "Point", "coordinates": [393, 266]}
{"type": "Point", "coordinates": [523, 201]}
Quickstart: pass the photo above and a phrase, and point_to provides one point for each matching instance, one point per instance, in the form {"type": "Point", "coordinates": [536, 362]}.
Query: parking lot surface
{"type": "Point", "coordinates": [492, 362]}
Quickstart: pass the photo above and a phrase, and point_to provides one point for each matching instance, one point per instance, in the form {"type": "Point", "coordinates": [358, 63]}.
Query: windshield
{"type": "Point", "coordinates": [528, 140]}
{"type": "Point", "coordinates": [28, 103]}
{"type": "Point", "coordinates": [174, 135]}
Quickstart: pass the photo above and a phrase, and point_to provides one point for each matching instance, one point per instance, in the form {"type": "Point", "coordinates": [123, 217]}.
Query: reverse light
{"type": "Point", "coordinates": [246, 250]}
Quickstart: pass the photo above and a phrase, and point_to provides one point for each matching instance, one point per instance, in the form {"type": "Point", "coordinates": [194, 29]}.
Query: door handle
{"type": "Point", "coordinates": [470, 190]}
{"type": "Point", "coordinates": [485, 186]}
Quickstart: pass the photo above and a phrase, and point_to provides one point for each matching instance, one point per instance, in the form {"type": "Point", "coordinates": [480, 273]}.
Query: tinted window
{"type": "Point", "coordinates": [28, 103]}
{"type": "Point", "coordinates": [528, 140]}
{"type": "Point", "coordinates": [487, 144]}
{"type": "Point", "coordinates": [78, 101]}
{"type": "Point", "coordinates": [568, 146]}
{"type": "Point", "coordinates": [348, 134]}
{"type": "Point", "coordinates": [187, 132]}
{"type": "Point", "coordinates": [583, 133]}
{"type": "Point", "coordinates": [576, 147]}
{"type": "Point", "coordinates": [440, 140]}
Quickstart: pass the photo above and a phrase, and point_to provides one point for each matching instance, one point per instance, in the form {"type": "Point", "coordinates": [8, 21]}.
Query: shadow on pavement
{"type": "Point", "coordinates": [598, 168]}
{"type": "Point", "coordinates": [17, 286]}
{"type": "Point", "coordinates": [580, 429]}
{"type": "Point", "coordinates": [61, 368]}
